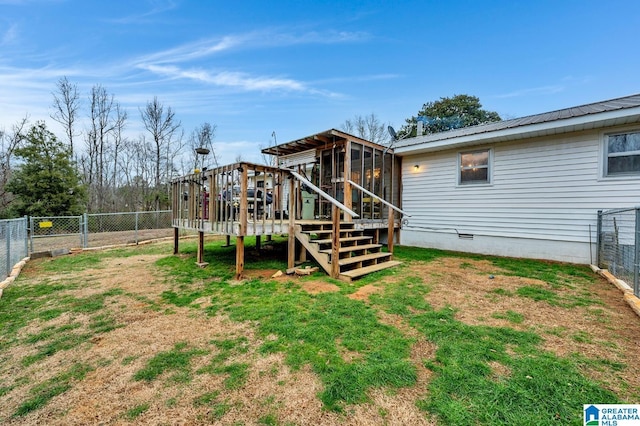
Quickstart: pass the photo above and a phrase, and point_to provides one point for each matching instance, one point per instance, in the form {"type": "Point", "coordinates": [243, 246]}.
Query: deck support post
{"type": "Point", "coordinates": [258, 243]}
{"type": "Point", "coordinates": [239, 256]}
{"type": "Point", "coordinates": [176, 236]}
{"type": "Point", "coordinates": [200, 262]}
{"type": "Point", "coordinates": [291, 248]}
{"type": "Point", "coordinates": [348, 197]}
{"type": "Point", "coordinates": [244, 209]}
{"type": "Point", "coordinates": [335, 243]}
{"type": "Point", "coordinates": [390, 233]}
{"type": "Point", "coordinates": [228, 240]}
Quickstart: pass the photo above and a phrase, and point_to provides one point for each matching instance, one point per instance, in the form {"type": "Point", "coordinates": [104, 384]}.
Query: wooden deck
{"type": "Point", "coordinates": [338, 222]}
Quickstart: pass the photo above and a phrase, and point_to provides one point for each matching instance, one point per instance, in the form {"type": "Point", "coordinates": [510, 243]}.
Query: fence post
{"type": "Point", "coordinates": [26, 235]}
{"type": "Point", "coordinates": [136, 234]}
{"type": "Point", "coordinates": [598, 237]}
{"type": "Point", "coordinates": [636, 262]}
{"type": "Point", "coordinates": [31, 232]}
{"type": "Point", "coordinates": [85, 230]}
{"type": "Point", "coordinates": [7, 234]}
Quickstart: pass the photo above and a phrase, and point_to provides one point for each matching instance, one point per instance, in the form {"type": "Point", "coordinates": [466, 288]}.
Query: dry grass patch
{"type": "Point", "coordinates": [467, 286]}
{"type": "Point", "coordinates": [134, 274]}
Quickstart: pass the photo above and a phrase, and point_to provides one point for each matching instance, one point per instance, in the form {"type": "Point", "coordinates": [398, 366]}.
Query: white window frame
{"type": "Point", "coordinates": [606, 155]}
{"type": "Point", "coordinates": [489, 167]}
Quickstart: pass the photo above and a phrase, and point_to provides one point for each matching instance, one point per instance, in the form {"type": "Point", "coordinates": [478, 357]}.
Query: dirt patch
{"type": "Point", "coordinates": [364, 292]}
{"type": "Point", "coordinates": [310, 286]}
{"type": "Point", "coordinates": [499, 372]}
{"type": "Point", "coordinates": [263, 274]}
{"type": "Point", "coordinates": [316, 287]}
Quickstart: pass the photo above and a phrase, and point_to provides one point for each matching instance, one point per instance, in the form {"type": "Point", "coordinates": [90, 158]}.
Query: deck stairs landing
{"type": "Point", "coordinates": [359, 255]}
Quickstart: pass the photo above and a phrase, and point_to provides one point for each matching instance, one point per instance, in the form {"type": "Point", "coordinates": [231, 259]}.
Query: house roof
{"type": "Point", "coordinates": [322, 139]}
{"type": "Point", "coordinates": [613, 112]}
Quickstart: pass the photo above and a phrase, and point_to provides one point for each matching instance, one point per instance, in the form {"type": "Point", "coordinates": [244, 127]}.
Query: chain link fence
{"type": "Point", "coordinates": [98, 230]}
{"type": "Point", "coordinates": [124, 228]}
{"type": "Point", "coordinates": [619, 244]}
{"type": "Point", "coordinates": [14, 244]}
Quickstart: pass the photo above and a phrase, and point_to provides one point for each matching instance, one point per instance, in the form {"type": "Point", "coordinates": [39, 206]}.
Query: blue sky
{"type": "Point", "coordinates": [300, 67]}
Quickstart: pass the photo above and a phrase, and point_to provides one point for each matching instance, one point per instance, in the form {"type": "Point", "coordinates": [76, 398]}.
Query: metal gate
{"type": "Point", "coordinates": [56, 232]}
{"type": "Point", "coordinates": [619, 244]}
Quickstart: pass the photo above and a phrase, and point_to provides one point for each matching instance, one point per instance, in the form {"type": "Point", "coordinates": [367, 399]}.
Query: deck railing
{"type": "Point", "coordinates": [236, 199]}
{"type": "Point", "coordinates": [249, 199]}
{"type": "Point", "coordinates": [323, 194]}
{"type": "Point", "coordinates": [385, 202]}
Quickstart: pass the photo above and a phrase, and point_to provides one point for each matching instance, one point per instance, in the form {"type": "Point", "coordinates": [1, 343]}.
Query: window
{"type": "Point", "coordinates": [622, 154]}
{"type": "Point", "coordinates": [474, 167]}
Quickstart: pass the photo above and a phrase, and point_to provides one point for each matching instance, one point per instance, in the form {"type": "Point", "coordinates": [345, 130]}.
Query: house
{"type": "Point", "coordinates": [528, 187]}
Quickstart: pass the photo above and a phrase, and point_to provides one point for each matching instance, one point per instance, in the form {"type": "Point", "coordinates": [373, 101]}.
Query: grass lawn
{"type": "Point", "coordinates": [138, 336]}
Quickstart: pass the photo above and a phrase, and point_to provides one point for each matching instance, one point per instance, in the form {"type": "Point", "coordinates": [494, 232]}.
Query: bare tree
{"type": "Point", "coordinates": [66, 103]}
{"type": "Point", "coordinates": [162, 126]}
{"type": "Point", "coordinates": [9, 141]}
{"type": "Point", "coordinates": [270, 160]}
{"type": "Point", "coordinates": [368, 127]}
{"type": "Point", "coordinates": [137, 174]}
{"type": "Point", "coordinates": [103, 139]}
{"type": "Point", "coordinates": [102, 125]}
{"type": "Point", "coordinates": [202, 137]}
{"type": "Point", "coordinates": [118, 141]}
{"type": "Point", "coordinates": [173, 151]}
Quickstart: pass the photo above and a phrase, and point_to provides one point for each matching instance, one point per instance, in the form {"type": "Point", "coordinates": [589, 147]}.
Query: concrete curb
{"type": "Point", "coordinates": [15, 271]}
{"type": "Point", "coordinates": [627, 292]}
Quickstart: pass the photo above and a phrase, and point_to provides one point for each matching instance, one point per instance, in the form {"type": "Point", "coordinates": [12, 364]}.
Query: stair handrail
{"type": "Point", "coordinates": [323, 194]}
{"type": "Point", "coordinates": [386, 203]}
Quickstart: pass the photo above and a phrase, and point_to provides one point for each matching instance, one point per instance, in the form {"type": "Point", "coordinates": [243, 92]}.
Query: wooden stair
{"type": "Point", "coordinates": [358, 255]}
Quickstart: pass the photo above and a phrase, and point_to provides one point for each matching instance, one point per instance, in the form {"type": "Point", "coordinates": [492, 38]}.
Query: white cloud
{"type": "Point", "coordinates": [251, 40]}
{"type": "Point", "coordinates": [192, 51]}
{"type": "Point", "coordinates": [165, 63]}
{"type": "Point", "coordinates": [227, 78]}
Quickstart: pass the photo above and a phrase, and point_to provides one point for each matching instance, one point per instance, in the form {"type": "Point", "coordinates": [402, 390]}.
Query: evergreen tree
{"type": "Point", "coordinates": [46, 182]}
{"type": "Point", "coordinates": [449, 113]}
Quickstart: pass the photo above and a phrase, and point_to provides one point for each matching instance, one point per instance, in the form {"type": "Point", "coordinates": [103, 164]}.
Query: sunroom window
{"type": "Point", "coordinates": [474, 167]}
{"type": "Point", "coordinates": [622, 154]}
